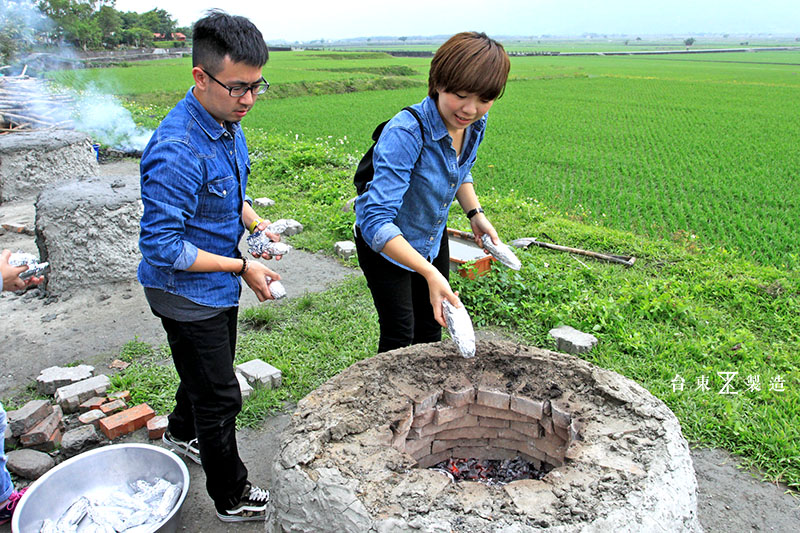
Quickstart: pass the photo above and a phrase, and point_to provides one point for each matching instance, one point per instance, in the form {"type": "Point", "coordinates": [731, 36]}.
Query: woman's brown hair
{"type": "Point", "coordinates": [470, 62]}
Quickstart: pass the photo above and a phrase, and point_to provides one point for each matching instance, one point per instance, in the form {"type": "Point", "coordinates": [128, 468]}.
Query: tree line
{"type": "Point", "coordinates": [86, 24]}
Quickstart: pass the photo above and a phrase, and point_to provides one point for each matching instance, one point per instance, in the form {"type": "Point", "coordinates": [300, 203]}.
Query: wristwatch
{"type": "Point", "coordinates": [472, 212]}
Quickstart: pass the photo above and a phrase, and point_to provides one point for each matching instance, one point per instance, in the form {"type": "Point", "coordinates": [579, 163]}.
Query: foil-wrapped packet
{"type": "Point", "coordinates": [258, 243]}
{"type": "Point", "coordinates": [68, 522]}
{"type": "Point", "coordinates": [166, 503]}
{"type": "Point", "coordinates": [35, 268]}
{"type": "Point", "coordinates": [459, 325]}
{"type": "Point", "coordinates": [276, 288]}
{"type": "Point", "coordinates": [501, 252]}
{"type": "Point", "coordinates": [48, 526]}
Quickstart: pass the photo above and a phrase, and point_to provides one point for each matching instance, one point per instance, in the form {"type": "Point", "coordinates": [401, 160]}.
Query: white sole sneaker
{"type": "Point", "coordinates": [189, 449]}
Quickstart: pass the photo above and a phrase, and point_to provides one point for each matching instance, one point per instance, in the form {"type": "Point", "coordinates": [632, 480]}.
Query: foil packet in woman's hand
{"type": "Point", "coordinates": [276, 288]}
{"type": "Point", "coordinates": [501, 252]}
{"type": "Point", "coordinates": [460, 327]}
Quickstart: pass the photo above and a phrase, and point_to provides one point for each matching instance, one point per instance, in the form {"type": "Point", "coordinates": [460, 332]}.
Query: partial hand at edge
{"type": "Point", "coordinates": [256, 279]}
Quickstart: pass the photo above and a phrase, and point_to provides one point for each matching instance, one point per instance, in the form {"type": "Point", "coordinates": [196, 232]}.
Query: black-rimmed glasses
{"type": "Point", "coordinates": [260, 87]}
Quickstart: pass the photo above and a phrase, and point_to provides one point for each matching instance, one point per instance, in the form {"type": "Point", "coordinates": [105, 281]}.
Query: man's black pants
{"type": "Point", "coordinates": [401, 297]}
{"type": "Point", "coordinates": [208, 399]}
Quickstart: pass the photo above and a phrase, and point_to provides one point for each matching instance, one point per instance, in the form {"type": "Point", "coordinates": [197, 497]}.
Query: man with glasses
{"type": "Point", "coordinates": [194, 174]}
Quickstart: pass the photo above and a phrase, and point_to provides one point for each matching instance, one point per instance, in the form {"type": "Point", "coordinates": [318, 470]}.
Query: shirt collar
{"type": "Point", "coordinates": [204, 119]}
{"type": "Point", "coordinates": [438, 128]}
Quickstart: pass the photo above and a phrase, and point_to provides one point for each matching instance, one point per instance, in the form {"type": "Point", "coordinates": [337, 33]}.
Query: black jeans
{"type": "Point", "coordinates": [401, 297]}
{"type": "Point", "coordinates": [208, 399]}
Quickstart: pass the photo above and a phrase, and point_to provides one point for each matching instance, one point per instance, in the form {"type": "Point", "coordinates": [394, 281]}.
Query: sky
{"type": "Point", "coordinates": [306, 20]}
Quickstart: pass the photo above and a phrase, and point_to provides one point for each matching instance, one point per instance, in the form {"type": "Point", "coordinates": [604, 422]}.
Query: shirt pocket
{"type": "Point", "coordinates": [219, 199]}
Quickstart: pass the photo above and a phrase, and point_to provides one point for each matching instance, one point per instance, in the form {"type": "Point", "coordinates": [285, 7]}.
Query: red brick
{"type": "Point", "coordinates": [547, 424]}
{"type": "Point", "coordinates": [433, 459]}
{"type": "Point", "coordinates": [493, 398]}
{"type": "Point", "coordinates": [575, 429]}
{"type": "Point", "coordinates": [113, 407]}
{"type": "Point", "coordinates": [22, 419]}
{"type": "Point", "coordinates": [126, 421]}
{"type": "Point", "coordinates": [91, 417]}
{"type": "Point", "coordinates": [459, 396]}
{"type": "Point", "coordinates": [553, 447]}
{"type": "Point", "coordinates": [433, 429]}
{"type": "Point", "coordinates": [402, 423]}
{"type": "Point", "coordinates": [446, 413]}
{"type": "Point", "coordinates": [419, 447]}
{"type": "Point", "coordinates": [467, 452]}
{"type": "Point", "coordinates": [120, 395]}
{"type": "Point", "coordinates": [493, 422]}
{"type": "Point", "coordinates": [561, 432]}
{"type": "Point", "coordinates": [529, 429]}
{"type": "Point", "coordinates": [92, 403]}
{"type": "Point", "coordinates": [156, 427]}
{"type": "Point", "coordinates": [442, 445]}
{"type": "Point", "coordinates": [423, 419]}
{"type": "Point", "coordinates": [52, 442]}
{"type": "Point", "coordinates": [467, 433]}
{"type": "Point", "coordinates": [504, 414]}
{"type": "Point", "coordinates": [527, 407]}
{"type": "Point", "coordinates": [41, 432]}
{"type": "Point", "coordinates": [512, 435]}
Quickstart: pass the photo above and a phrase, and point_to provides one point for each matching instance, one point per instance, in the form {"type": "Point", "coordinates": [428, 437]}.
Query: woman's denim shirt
{"type": "Point", "coordinates": [411, 191]}
{"type": "Point", "coordinates": [193, 178]}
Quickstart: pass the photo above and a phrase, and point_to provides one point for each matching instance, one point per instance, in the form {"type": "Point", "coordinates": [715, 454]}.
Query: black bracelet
{"type": "Point", "coordinates": [472, 212]}
{"type": "Point", "coordinates": [244, 267]}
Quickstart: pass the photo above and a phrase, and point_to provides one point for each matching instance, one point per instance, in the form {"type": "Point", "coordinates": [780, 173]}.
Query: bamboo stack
{"type": "Point", "coordinates": [26, 103]}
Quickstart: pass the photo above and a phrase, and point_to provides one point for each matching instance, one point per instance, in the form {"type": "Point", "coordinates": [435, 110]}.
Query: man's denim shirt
{"type": "Point", "coordinates": [411, 192]}
{"type": "Point", "coordinates": [193, 178]}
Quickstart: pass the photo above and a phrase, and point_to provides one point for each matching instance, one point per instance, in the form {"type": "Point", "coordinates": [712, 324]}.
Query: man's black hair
{"type": "Point", "coordinates": [219, 34]}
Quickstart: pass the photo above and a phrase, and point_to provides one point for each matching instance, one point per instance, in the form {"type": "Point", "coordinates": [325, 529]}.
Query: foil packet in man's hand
{"type": "Point", "coordinates": [35, 268]}
{"type": "Point", "coordinates": [460, 327]}
{"type": "Point", "coordinates": [276, 288]}
{"type": "Point", "coordinates": [258, 243]}
{"type": "Point", "coordinates": [501, 252]}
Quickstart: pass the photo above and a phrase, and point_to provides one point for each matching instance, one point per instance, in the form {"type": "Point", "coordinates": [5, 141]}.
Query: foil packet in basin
{"type": "Point", "coordinates": [501, 252]}
{"type": "Point", "coordinates": [459, 325]}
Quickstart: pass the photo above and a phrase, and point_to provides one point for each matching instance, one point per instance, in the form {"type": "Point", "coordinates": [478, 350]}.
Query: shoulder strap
{"type": "Point", "coordinates": [419, 120]}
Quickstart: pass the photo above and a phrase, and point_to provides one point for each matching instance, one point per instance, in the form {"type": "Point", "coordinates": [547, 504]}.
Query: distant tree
{"type": "Point", "coordinates": [73, 21]}
{"type": "Point", "coordinates": [404, 39]}
{"type": "Point", "coordinates": [130, 19]}
{"type": "Point", "coordinates": [689, 41]}
{"type": "Point", "coordinates": [110, 23]}
{"type": "Point", "coordinates": [157, 21]}
{"type": "Point", "coordinates": [16, 30]}
{"type": "Point", "coordinates": [626, 42]}
{"type": "Point", "coordinates": [138, 37]}
{"type": "Point", "coordinates": [638, 38]}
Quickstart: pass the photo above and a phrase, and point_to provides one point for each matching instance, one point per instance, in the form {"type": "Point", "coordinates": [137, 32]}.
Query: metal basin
{"type": "Point", "coordinates": [95, 473]}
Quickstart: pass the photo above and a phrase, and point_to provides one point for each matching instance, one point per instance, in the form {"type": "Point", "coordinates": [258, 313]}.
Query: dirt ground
{"type": "Point", "coordinates": [91, 325]}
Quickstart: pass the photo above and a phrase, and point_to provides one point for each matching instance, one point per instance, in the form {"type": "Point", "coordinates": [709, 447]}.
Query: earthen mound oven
{"type": "Point", "coordinates": [355, 457]}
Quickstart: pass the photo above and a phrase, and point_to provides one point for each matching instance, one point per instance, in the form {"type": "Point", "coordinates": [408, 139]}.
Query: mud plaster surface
{"type": "Point", "coordinates": [94, 324]}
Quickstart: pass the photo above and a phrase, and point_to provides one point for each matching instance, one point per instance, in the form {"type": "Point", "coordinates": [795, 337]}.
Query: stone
{"type": "Point", "coordinates": [345, 249]}
{"type": "Point", "coordinates": [91, 417]}
{"type": "Point", "coordinates": [572, 341]}
{"type": "Point", "coordinates": [51, 378]}
{"type": "Point", "coordinates": [89, 231]}
{"type": "Point", "coordinates": [29, 464]}
{"type": "Point", "coordinates": [69, 397]}
{"type": "Point", "coordinates": [22, 419]}
{"type": "Point", "coordinates": [349, 206]}
{"type": "Point", "coordinates": [79, 439]}
{"type": "Point", "coordinates": [263, 202]}
{"type": "Point", "coordinates": [260, 373]}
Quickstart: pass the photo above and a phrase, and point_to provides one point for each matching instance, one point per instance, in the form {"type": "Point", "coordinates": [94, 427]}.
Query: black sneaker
{"type": "Point", "coordinates": [189, 449]}
{"type": "Point", "coordinates": [251, 507]}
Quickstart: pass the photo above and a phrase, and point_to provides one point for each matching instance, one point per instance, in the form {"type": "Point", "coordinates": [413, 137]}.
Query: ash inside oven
{"type": "Point", "coordinates": [492, 472]}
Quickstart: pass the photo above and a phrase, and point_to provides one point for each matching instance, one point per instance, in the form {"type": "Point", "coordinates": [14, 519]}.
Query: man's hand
{"type": "Point", "coordinates": [256, 279]}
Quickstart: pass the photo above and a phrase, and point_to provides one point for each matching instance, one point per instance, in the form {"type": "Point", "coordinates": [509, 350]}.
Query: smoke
{"type": "Point", "coordinates": [104, 118]}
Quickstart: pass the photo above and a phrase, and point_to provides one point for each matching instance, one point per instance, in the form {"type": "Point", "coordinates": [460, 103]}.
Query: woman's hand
{"type": "Point", "coordinates": [439, 291]}
{"type": "Point", "coordinates": [481, 226]}
{"type": "Point", "coordinates": [274, 237]}
{"type": "Point", "coordinates": [10, 274]}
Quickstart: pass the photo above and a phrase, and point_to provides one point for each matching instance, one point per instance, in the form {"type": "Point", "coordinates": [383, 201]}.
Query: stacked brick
{"type": "Point", "coordinates": [482, 422]}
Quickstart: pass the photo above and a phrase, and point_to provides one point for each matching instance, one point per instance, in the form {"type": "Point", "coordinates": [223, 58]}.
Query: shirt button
{"type": "Point", "coordinates": [431, 238]}
{"type": "Point", "coordinates": [224, 192]}
{"type": "Point", "coordinates": [231, 152]}
{"type": "Point", "coordinates": [452, 185]}
{"type": "Point", "coordinates": [444, 205]}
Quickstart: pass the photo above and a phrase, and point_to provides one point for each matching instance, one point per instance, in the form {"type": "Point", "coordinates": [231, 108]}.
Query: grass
{"type": "Point", "coordinates": [700, 158]}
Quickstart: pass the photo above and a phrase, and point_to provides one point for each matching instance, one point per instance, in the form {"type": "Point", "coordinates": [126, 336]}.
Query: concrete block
{"type": "Point", "coordinates": [29, 161]}
{"type": "Point", "coordinates": [91, 417]}
{"type": "Point", "coordinates": [89, 231]}
{"type": "Point", "coordinates": [244, 387]}
{"type": "Point", "coordinates": [30, 464]}
{"type": "Point", "coordinates": [42, 431]}
{"type": "Point", "coordinates": [22, 419]}
{"type": "Point", "coordinates": [571, 340]}
{"type": "Point", "coordinates": [69, 397]}
{"type": "Point", "coordinates": [345, 249]}
{"type": "Point", "coordinates": [260, 373]}
{"type": "Point", "coordinates": [126, 421]}
{"type": "Point", "coordinates": [156, 427]}
{"type": "Point", "coordinates": [50, 379]}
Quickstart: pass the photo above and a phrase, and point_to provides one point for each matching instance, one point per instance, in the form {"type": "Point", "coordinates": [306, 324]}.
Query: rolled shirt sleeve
{"type": "Point", "coordinates": [171, 178]}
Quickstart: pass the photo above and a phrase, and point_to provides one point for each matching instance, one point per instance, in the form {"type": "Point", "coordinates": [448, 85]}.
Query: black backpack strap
{"type": "Point", "coordinates": [419, 121]}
